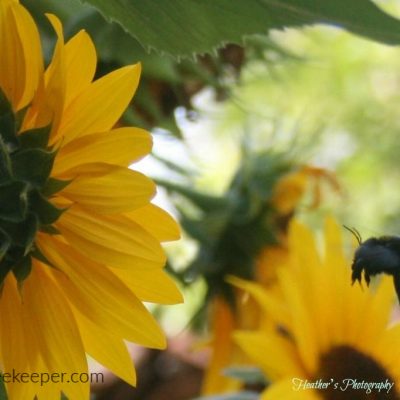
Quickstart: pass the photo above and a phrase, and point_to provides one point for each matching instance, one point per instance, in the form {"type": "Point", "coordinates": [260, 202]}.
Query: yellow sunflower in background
{"type": "Point", "coordinates": [79, 239]}
{"type": "Point", "coordinates": [224, 321]}
{"type": "Point", "coordinates": [289, 190]}
{"type": "Point", "coordinates": [323, 329]}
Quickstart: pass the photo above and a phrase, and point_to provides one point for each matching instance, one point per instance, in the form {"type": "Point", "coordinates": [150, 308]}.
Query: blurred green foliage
{"type": "Point", "coordinates": [231, 229]}
{"type": "Point", "coordinates": [337, 105]}
{"type": "Point", "coordinates": [188, 27]}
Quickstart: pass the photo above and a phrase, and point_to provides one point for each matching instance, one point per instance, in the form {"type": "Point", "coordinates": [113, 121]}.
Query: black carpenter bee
{"type": "Point", "coordinates": [375, 256]}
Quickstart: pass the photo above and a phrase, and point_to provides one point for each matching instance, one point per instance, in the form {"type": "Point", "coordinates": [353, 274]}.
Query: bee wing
{"type": "Point", "coordinates": [396, 281]}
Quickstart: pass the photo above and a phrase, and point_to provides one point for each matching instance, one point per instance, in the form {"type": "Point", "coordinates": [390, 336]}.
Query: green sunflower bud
{"type": "Point", "coordinates": [26, 162]}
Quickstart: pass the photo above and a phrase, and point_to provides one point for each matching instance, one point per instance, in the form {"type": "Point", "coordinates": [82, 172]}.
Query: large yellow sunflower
{"type": "Point", "coordinates": [327, 340]}
{"type": "Point", "coordinates": [79, 239]}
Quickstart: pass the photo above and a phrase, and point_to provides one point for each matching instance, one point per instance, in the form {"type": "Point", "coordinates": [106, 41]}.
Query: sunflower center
{"type": "Point", "coordinates": [358, 376]}
{"type": "Point", "coordinates": [25, 185]}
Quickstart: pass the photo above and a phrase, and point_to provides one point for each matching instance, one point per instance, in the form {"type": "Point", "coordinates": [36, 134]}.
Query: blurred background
{"type": "Point", "coordinates": [302, 122]}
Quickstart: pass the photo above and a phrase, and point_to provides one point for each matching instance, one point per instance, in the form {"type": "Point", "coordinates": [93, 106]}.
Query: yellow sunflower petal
{"type": "Point", "coordinates": [18, 350]}
{"type": "Point", "coordinates": [381, 309]}
{"type": "Point", "coordinates": [80, 64]}
{"type": "Point", "coordinates": [88, 170]}
{"type": "Point", "coordinates": [156, 221]}
{"type": "Point", "coordinates": [56, 77]}
{"type": "Point", "coordinates": [302, 323]}
{"type": "Point", "coordinates": [21, 63]}
{"type": "Point", "coordinates": [275, 355]}
{"type": "Point", "coordinates": [284, 390]}
{"type": "Point", "coordinates": [48, 103]}
{"type": "Point", "coordinates": [288, 191]}
{"type": "Point", "coordinates": [303, 251]}
{"type": "Point", "coordinates": [48, 390]}
{"type": "Point", "coordinates": [114, 239]}
{"type": "Point", "coordinates": [387, 350]}
{"type": "Point", "coordinates": [98, 294]}
{"type": "Point", "coordinates": [99, 107]}
{"type": "Point", "coordinates": [55, 331]}
{"type": "Point", "coordinates": [271, 305]}
{"type": "Point", "coordinates": [117, 190]}
{"type": "Point", "coordinates": [107, 349]}
{"type": "Point", "coordinates": [120, 146]}
{"type": "Point", "coordinates": [222, 351]}
{"type": "Point", "coordinates": [154, 286]}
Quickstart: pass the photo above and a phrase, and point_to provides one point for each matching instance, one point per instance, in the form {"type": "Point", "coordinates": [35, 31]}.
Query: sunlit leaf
{"type": "Point", "coordinates": [187, 27]}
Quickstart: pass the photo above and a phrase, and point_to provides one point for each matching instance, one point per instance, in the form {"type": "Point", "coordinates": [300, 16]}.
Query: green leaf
{"type": "Point", "coordinates": [50, 229]}
{"type": "Point", "coordinates": [45, 211]}
{"type": "Point", "coordinates": [204, 202]}
{"type": "Point", "coordinates": [246, 374]}
{"type": "Point", "coordinates": [4, 268]}
{"type": "Point", "coordinates": [3, 393]}
{"type": "Point", "coordinates": [36, 253]}
{"type": "Point", "coordinates": [233, 396]}
{"type": "Point", "coordinates": [8, 131]}
{"type": "Point", "coordinates": [194, 228]}
{"type": "Point", "coordinates": [186, 27]}
{"type": "Point", "coordinates": [27, 233]}
{"type": "Point", "coordinates": [19, 117]}
{"type": "Point", "coordinates": [8, 136]}
{"type": "Point", "coordinates": [22, 269]}
{"type": "Point", "coordinates": [33, 165]}
{"type": "Point", "coordinates": [5, 106]}
{"type": "Point", "coordinates": [53, 186]}
{"type": "Point", "coordinates": [35, 138]}
{"type": "Point", "coordinates": [5, 163]}
{"type": "Point", "coordinates": [185, 171]}
{"type": "Point", "coordinates": [14, 201]}
{"type": "Point", "coordinates": [207, 228]}
{"type": "Point", "coordinates": [5, 243]}
{"type": "Point", "coordinates": [22, 234]}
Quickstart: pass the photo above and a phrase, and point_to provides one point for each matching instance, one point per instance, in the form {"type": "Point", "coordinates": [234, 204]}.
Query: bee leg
{"type": "Point", "coordinates": [357, 271]}
{"type": "Point", "coordinates": [367, 277]}
{"type": "Point", "coordinates": [396, 280]}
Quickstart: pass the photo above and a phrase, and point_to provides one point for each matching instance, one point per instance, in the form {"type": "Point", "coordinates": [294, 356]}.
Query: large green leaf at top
{"type": "Point", "coordinates": [187, 27]}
